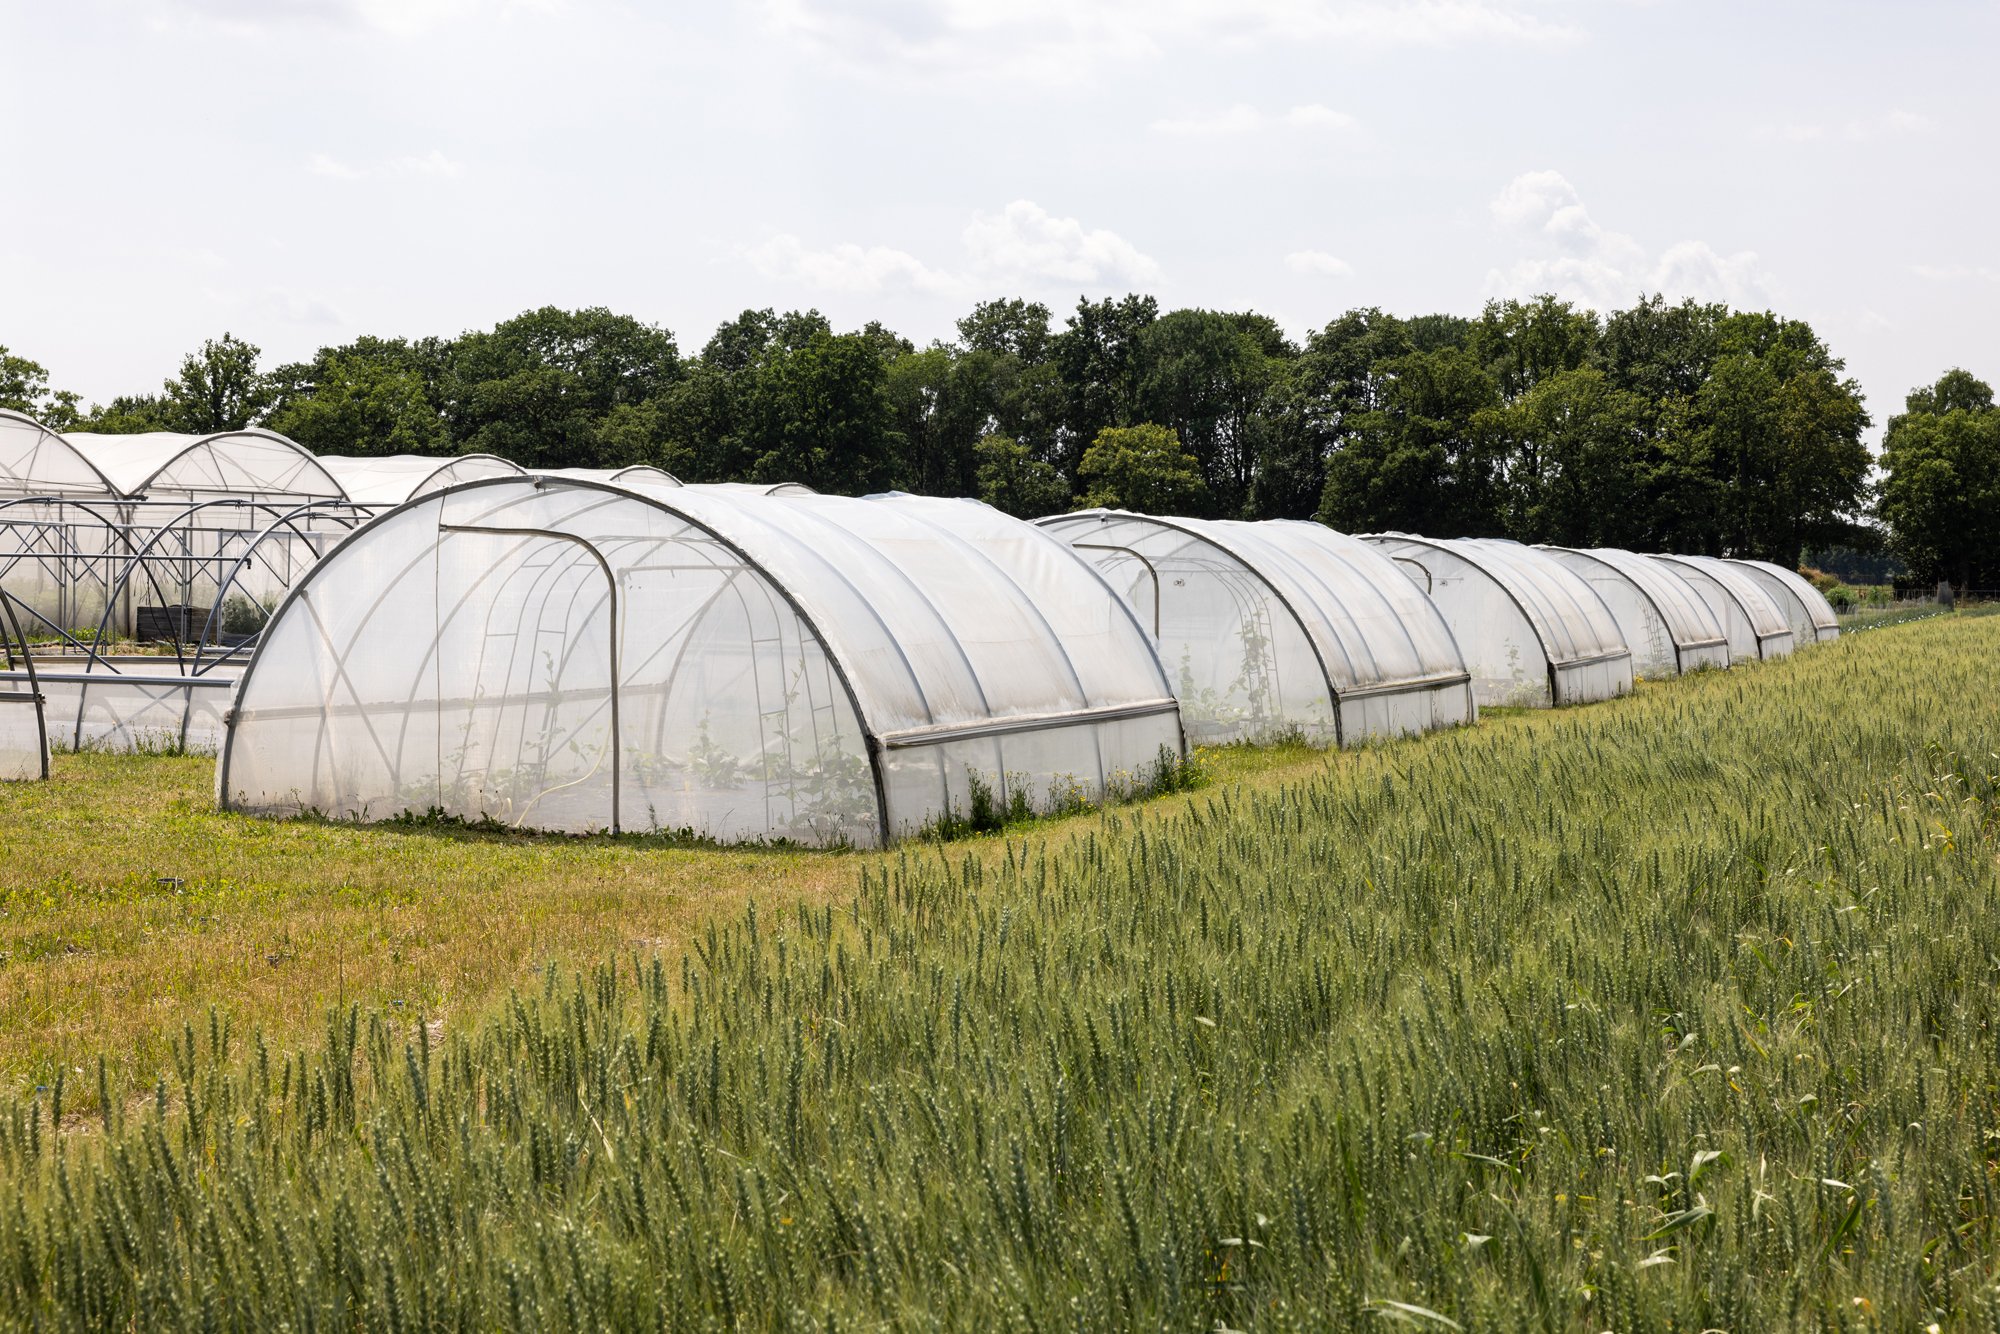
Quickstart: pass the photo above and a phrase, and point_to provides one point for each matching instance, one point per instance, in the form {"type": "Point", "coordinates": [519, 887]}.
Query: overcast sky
{"type": "Point", "coordinates": [300, 172]}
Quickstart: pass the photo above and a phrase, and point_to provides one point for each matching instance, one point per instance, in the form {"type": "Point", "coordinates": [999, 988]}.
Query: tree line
{"type": "Point", "coordinates": [1686, 427]}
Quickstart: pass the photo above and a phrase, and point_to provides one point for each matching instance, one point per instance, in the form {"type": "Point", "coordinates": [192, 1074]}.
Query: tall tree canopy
{"type": "Point", "coordinates": [373, 396]}
{"type": "Point", "coordinates": [219, 389]}
{"type": "Point", "coordinates": [24, 387]}
{"type": "Point", "coordinates": [1683, 426]}
{"type": "Point", "coordinates": [1940, 490]}
{"type": "Point", "coordinates": [538, 388]}
{"type": "Point", "coordinates": [1144, 468]}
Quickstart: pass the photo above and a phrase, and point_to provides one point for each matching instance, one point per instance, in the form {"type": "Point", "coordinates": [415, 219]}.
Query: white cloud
{"type": "Point", "coordinates": [291, 307]}
{"type": "Point", "coordinates": [433, 163]}
{"type": "Point", "coordinates": [1956, 273]}
{"type": "Point", "coordinates": [1026, 243]}
{"type": "Point", "coordinates": [323, 164]}
{"type": "Point", "coordinates": [402, 18]}
{"type": "Point", "coordinates": [1315, 116]}
{"type": "Point", "coordinates": [1585, 261]}
{"type": "Point", "coordinates": [1318, 262]}
{"type": "Point", "coordinates": [1239, 119]}
{"type": "Point", "coordinates": [1893, 124]}
{"type": "Point", "coordinates": [1022, 246]}
{"type": "Point", "coordinates": [847, 267]}
{"type": "Point", "coordinates": [1245, 119]}
{"type": "Point", "coordinates": [1056, 39]}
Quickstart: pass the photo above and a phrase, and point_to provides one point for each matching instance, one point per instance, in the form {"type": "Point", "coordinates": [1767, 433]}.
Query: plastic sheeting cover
{"type": "Point", "coordinates": [1806, 608]}
{"type": "Point", "coordinates": [579, 657]}
{"type": "Point", "coordinates": [24, 739]}
{"type": "Point", "coordinates": [1750, 617]}
{"type": "Point", "coordinates": [1664, 621]}
{"type": "Point", "coordinates": [250, 463]}
{"type": "Point", "coordinates": [1279, 627]}
{"type": "Point", "coordinates": [637, 475]}
{"type": "Point", "coordinates": [394, 478]}
{"type": "Point", "coordinates": [35, 461]}
{"type": "Point", "coordinates": [1532, 632]}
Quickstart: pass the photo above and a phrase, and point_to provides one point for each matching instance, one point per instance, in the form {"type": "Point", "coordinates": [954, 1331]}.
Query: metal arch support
{"type": "Point", "coordinates": [34, 681]}
{"type": "Point", "coordinates": [77, 454]}
{"type": "Point", "coordinates": [611, 584]}
{"type": "Point", "coordinates": [1417, 565]}
{"type": "Point", "coordinates": [304, 455]}
{"type": "Point", "coordinates": [356, 516]}
{"type": "Point", "coordinates": [110, 524]}
{"type": "Point", "coordinates": [134, 561]}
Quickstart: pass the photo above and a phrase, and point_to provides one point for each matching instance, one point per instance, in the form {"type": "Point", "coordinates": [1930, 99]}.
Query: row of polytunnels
{"type": "Point", "coordinates": [584, 651]}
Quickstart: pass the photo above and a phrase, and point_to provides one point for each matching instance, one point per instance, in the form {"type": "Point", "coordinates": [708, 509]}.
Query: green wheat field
{"type": "Point", "coordinates": [1673, 1013]}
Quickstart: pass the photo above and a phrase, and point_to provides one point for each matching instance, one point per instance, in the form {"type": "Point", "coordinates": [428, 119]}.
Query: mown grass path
{"type": "Point", "coordinates": [1677, 1012]}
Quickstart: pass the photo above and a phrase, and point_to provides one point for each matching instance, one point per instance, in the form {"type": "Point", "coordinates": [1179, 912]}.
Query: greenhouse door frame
{"type": "Point", "coordinates": [1151, 569]}
{"type": "Point", "coordinates": [611, 586]}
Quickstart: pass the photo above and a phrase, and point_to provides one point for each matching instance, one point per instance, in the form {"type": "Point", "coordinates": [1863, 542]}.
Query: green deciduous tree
{"type": "Point", "coordinates": [372, 397]}
{"type": "Point", "coordinates": [1143, 468]}
{"type": "Point", "coordinates": [24, 387]}
{"type": "Point", "coordinates": [1426, 460]}
{"type": "Point", "coordinates": [1780, 441]}
{"type": "Point", "coordinates": [1664, 426]}
{"type": "Point", "coordinates": [127, 414]}
{"type": "Point", "coordinates": [940, 410]}
{"type": "Point", "coordinates": [819, 414]}
{"type": "Point", "coordinates": [1523, 343]}
{"type": "Point", "coordinates": [1206, 376]}
{"type": "Point", "coordinates": [1012, 479]}
{"type": "Point", "coordinates": [1940, 489]}
{"type": "Point", "coordinates": [1099, 357]}
{"type": "Point", "coordinates": [1574, 448]}
{"type": "Point", "coordinates": [539, 387]}
{"type": "Point", "coordinates": [219, 388]}
{"type": "Point", "coordinates": [1315, 402]}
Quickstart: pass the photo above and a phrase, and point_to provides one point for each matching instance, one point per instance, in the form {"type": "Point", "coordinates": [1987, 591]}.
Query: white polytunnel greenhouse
{"type": "Point", "coordinates": [1664, 621]}
{"type": "Point", "coordinates": [35, 461]}
{"type": "Point", "coordinates": [568, 655]}
{"type": "Point", "coordinates": [98, 532]}
{"type": "Point", "coordinates": [638, 473]}
{"type": "Point", "coordinates": [1532, 632]}
{"type": "Point", "coordinates": [391, 479]}
{"type": "Point", "coordinates": [1279, 628]}
{"type": "Point", "coordinates": [1750, 617]}
{"type": "Point", "coordinates": [1806, 609]}
{"type": "Point", "coordinates": [760, 488]}
{"type": "Point", "coordinates": [165, 466]}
